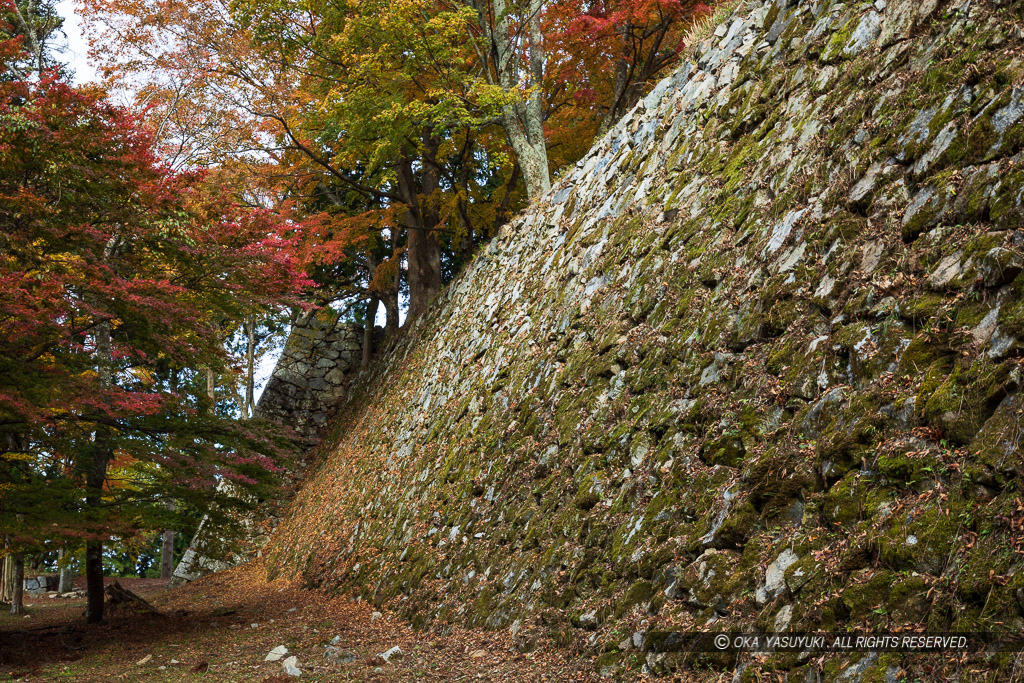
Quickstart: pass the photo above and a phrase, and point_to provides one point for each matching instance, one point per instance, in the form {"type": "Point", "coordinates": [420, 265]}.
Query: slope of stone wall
{"type": "Point", "coordinates": [755, 362]}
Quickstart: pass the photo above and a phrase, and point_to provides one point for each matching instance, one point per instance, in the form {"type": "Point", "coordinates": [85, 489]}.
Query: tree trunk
{"type": "Point", "coordinates": [615, 109]}
{"type": "Point", "coordinates": [373, 287]}
{"type": "Point", "coordinates": [523, 121]}
{"type": "Point", "coordinates": [539, 177]}
{"type": "Point", "coordinates": [531, 155]}
{"type": "Point", "coordinates": [97, 460]}
{"type": "Point", "coordinates": [533, 159]}
{"type": "Point", "coordinates": [211, 390]}
{"type": "Point", "coordinates": [391, 311]}
{"type": "Point", "coordinates": [424, 270]}
{"type": "Point", "coordinates": [165, 573]}
{"type": "Point", "coordinates": [250, 360]}
{"type": "Point", "coordinates": [386, 288]}
{"type": "Point", "coordinates": [95, 477]}
{"type": "Point", "coordinates": [93, 582]}
{"type": "Point", "coordinates": [423, 250]}
{"type": "Point", "coordinates": [18, 590]}
{"type": "Point", "coordinates": [6, 577]}
{"type": "Point", "coordinates": [167, 554]}
{"type": "Point", "coordinates": [27, 20]}
{"type": "Point", "coordinates": [371, 316]}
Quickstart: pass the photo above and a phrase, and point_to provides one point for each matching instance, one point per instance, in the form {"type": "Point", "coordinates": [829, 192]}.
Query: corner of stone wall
{"type": "Point", "coordinates": [306, 388]}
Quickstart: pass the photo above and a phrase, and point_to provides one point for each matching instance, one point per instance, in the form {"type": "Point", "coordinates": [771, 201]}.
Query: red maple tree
{"type": "Point", "coordinates": [118, 278]}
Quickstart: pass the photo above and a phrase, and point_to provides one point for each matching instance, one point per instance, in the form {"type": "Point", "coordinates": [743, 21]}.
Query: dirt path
{"type": "Point", "coordinates": [221, 628]}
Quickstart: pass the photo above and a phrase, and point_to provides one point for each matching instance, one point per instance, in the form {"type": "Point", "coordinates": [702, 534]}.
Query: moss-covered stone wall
{"type": "Point", "coordinates": [755, 362]}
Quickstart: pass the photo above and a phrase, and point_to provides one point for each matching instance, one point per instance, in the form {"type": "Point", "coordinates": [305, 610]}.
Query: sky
{"type": "Point", "coordinates": [76, 53]}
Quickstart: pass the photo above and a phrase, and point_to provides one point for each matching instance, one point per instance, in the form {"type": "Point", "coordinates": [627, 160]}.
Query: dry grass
{"type": "Point", "coordinates": [702, 27]}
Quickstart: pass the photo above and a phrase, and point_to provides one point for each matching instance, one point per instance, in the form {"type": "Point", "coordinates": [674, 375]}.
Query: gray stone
{"type": "Point", "coordinates": [337, 654]}
{"type": "Point", "coordinates": [860, 194]}
{"type": "Point", "coordinates": [711, 538]}
{"type": "Point", "coordinates": [871, 254]}
{"type": "Point", "coordinates": [782, 230]}
{"type": "Point", "coordinates": [290, 666]}
{"type": "Point", "coordinates": [710, 375]}
{"type": "Point", "coordinates": [394, 653]}
{"type": "Point", "coordinates": [867, 30]}
{"type": "Point", "coordinates": [897, 22]}
{"type": "Point", "coordinates": [1000, 266]}
{"type": "Point", "coordinates": [783, 617]}
{"type": "Point", "coordinates": [942, 142]}
{"type": "Point", "coordinates": [792, 258]}
{"type": "Point", "coordinates": [1002, 343]}
{"type": "Point", "coordinates": [918, 131]}
{"type": "Point", "coordinates": [924, 200]}
{"type": "Point", "coordinates": [1011, 113]}
{"type": "Point", "coordinates": [781, 24]}
{"type": "Point", "coordinates": [855, 672]}
{"type": "Point", "coordinates": [588, 620]}
{"type": "Point", "coordinates": [984, 330]}
{"type": "Point", "coordinates": [277, 654]}
{"type": "Point", "coordinates": [948, 270]}
{"type": "Point", "coordinates": [775, 577]}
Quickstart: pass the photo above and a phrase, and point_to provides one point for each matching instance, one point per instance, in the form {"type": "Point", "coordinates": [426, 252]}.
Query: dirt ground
{"type": "Point", "coordinates": [222, 627]}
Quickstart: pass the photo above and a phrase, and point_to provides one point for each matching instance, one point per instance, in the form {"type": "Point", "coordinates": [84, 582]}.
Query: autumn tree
{"type": "Point", "coordinates": [397, 108]}
{"type": "Point", "coordinates": [609, 54]}
{"type": "Point", "coordinates": [117, 277]}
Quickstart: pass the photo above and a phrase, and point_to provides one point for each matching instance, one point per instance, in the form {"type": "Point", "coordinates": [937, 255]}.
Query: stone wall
{"type": "Point", "coordinates": [309, 379]}
{"type": "Point", "coordinates": [41, 583]}
{"type": "Point", "coordinates": [754, 363]}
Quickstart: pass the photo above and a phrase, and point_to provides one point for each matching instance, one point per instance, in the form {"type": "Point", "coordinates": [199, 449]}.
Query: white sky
{"type": "Point", "coordinates": [76, 53]}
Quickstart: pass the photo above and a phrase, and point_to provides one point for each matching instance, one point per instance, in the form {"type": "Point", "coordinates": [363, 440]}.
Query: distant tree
{"type": "Point", "coordinates": [605, 55]}
{"type": "Point", "coordinates": [38, 24]}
